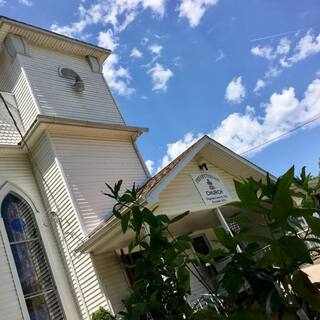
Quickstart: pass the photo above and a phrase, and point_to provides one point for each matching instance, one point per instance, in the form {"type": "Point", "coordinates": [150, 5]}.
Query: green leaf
{"type": "Point", "coordinates": [241, 219]}
{"type": "Point", "coordinates": [125, 221]}
{"type": "Point", "coordinates": [314, 224]}
{"type": "Point", "coordinates": [212, 255]}
{"type": "Point", "coordinates": [306, 289]}
{"type": "Point", "coordinates": [256, 208]}
{"type": "Point", "coordinates": [247, 191]}
{"type": "Point", "coordinates": [251, 237]}
{"type": "Point", "coordinates": [290, 249]}
{"type": "Point", "coordinates": [282, 203]}
{"type": "Point", "coordinates": [233, 281]}
{"type": "Point", "coordinates": [163, 218]}
{"type": "Point", "coordinates": [126, 198]}
{"type": "Point", "coordinates": [137, 219]}
{"type": "Point", "coordinates": [149, 217]}
{"type": "Point", "coordinates": [179, 217]}
{"type": "Point", "coordinates": [117, 187]}
{"type": "Point", "coordinates": [184, 278]}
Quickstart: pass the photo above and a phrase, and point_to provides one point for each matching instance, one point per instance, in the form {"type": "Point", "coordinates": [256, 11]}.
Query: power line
{"type": "Point", "coordinates": [281, 135]}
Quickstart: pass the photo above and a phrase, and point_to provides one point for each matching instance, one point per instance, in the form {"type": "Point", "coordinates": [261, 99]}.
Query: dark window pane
{"type": "Point", "coordinates": [30, 260]}
{"type": "Point", "coordinates": [31, 266]}
{"type": "Point", "coordinates": [25, 268]}
{"type": "Point", "coordinates": [200, 245]}
{"type": "Point", "coordinates": [18, 219]}
{"type": "Point", "coordinates": [37, 308]}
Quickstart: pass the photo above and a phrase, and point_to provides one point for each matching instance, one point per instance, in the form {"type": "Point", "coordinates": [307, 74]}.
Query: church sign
{"type": "Point", "coordinates": [211, 188]}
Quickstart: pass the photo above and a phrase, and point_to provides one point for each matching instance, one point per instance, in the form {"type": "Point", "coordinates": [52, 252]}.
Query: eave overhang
{"type": "Point", "coordinates": [45, 38]}
{"type": "Point", "coordinates": [79, 127]}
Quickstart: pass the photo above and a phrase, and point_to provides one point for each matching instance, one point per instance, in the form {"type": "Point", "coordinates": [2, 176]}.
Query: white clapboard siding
{"type": "Point", "coordinates": [55, 95]}
{"type": "Point", "coordinates": [88, 164]}
{"type": "Point", "coordinates": [16, 170]}
{"type": "Point", "coordinates": [113, 278]}
{"type": "Point", "coordinates": [13, 79]}
{"type": "Point", "coordinates": [83, 278]}
{"type": "Point", "coordinates": [181, 194]}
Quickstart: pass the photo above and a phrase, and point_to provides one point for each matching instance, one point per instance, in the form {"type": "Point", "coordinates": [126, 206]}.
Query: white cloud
{"type": "Point", "coordinates": [259, 85]}
{"type": "Point", "coordinates": [220, 56]}
{"type": "Point", "coordinates": [2, 3]}
{"type": "Point", "coordinates": [107, 40]}
{"type": "Point", "coordinates": [74, 30]}
{"type": "Point", "coordinates": [273, 72]}
{"type": "Point", "coordinates": [160, 77]}
{"type": "Point", "coordinates": [283, 46]}
{"type": "Point", "coordinates": [176, 148]}
{"type": "Point", "coordinates": [149, 165]}
{"type": "Point", "coordinates": [27, 3]}
{"type": "Point", "coordinates": [157, 6]}
{"type": "Point", "coordinates": [118, 13]}
{"type": "Point", "coordinates": [285, 55]}
{"type": "Point", "coordinates": [270, 53]}
{"type": "Point", "coordinates": [263, 52]}
{"type": "Point", "coordinates": [244, 131]}
{"type": "Point", "coordinates": [307, 46]}
{"type": "Point", "coordinates": [155, 49]}
{"type": "Point", "coordinates": [235, 91]}
{"type": "Point", "coordinates": [193, 10]}
{"type": "Point", "coordinates": [118, 77]}
{"type": "Point", "coordinates": [135, 53]}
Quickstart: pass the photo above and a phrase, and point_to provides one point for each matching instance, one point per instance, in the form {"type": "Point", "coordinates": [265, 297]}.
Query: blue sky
{"type": "Point", "coordinates": [244, 72]}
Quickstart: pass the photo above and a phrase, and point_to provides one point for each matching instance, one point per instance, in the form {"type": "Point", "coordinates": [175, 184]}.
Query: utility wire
{"type": "Point", "coordinates": [281, 135]}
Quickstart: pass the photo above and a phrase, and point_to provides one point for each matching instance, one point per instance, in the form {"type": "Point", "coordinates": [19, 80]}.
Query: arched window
{"type": "Point", "coordinates": [30, 259]}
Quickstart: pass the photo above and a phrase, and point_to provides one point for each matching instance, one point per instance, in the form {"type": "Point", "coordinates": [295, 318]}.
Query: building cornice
{"type": "Point", "coordinates": [80, 128]}
{"type": "Point", "coordinates": [45, 38]}
{"type": "Point", "coordinates": [8, 150]}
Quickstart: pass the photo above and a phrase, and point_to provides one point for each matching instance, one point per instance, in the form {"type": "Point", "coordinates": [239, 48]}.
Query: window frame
{"type": "Point", "coordinates": [6, 189]}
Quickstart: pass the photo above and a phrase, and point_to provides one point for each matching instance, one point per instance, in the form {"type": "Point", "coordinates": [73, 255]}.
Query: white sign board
{"type": "Point", "coordinates": [212, 189]}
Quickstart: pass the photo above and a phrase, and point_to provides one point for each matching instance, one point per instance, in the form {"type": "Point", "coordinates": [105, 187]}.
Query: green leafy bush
{"type": "Point", "coordinates": [102, 314]}
{"type": "Point", "coordinates": [263, 280]}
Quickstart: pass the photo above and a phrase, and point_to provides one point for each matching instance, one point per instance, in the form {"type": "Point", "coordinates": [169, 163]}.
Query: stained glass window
{"type": "Point", "coordinates": [31, 263]}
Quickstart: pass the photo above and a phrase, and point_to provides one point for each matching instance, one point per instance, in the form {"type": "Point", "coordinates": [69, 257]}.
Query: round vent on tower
{"type": "Point", "coordinates": [70, 74]}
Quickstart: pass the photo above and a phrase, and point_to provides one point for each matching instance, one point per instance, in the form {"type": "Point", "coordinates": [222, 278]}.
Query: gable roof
{"type": "Point", "coordinates": [46, 38]}
{"type": "Point", "coordinates": [153, 181]}
{"type": "Point", "coordinates": [150, 191]}
{"type": "Point", "coordinates": [158, 182]}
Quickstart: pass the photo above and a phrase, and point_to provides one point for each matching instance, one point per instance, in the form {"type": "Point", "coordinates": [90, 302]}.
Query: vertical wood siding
{"type": "Point", "coordinates": [88, 164]}
{"type": "Point", "coordinates": [55, 95]}
{"type": "Point", "coordinates": [82, 274]}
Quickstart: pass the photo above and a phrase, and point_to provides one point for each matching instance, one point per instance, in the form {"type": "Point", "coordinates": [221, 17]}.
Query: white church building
{"type": "Point", "coordinates": [62, 137]}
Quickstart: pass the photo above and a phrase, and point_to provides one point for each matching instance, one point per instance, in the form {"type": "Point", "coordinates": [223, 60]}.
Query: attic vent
{"type": "Point", "coordinates": [67, 73]}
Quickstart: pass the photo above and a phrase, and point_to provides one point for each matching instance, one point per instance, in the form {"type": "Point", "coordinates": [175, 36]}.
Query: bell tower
{"type": "Point", "coordinates": [62, 120]}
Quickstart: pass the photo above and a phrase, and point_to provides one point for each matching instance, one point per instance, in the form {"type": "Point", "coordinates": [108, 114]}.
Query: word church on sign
{"type": "Point", "coordinates": [212, 189]}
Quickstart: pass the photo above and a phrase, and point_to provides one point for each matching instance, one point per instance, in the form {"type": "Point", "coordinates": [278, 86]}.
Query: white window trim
{"type": "Point", "coordinates": [14, 271]}
{"type": "Point", "coordinates": [5, 189]}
